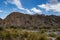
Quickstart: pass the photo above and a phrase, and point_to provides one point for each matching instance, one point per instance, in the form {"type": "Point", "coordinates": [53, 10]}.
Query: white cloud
{"type": "Point", "coordinates": [36, 10]}
{"type": "Point", "coordinates": [1, 11]}
{"type": "Point", "coordinates": [54, 7]}
{"type": "Point", "coordinates": [19, 6]}
{"type": "Point", "coordinates": [16, 2]}
{"type": "Point", "coordinates": [28, 11]}
{"type": "Point", "coordinates": [45, 6]}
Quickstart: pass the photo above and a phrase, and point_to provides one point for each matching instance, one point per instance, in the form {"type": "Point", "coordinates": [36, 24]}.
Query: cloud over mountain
{"type": "Point", "coordinates": [36, 10]}
{"type": "Point", "coordinates": [18, 4]}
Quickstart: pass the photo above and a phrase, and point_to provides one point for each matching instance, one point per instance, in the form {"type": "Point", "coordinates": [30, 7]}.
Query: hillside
{"type": "Point", "coordinates": [27, 21]}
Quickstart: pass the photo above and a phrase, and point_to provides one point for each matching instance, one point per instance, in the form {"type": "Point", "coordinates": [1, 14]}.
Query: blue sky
{"type": "Point", "coordinates": [47, 7]}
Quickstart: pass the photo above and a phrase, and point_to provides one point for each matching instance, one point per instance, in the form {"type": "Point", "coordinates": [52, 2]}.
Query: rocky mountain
{"type": "Point", "coordinates": [36, 21]}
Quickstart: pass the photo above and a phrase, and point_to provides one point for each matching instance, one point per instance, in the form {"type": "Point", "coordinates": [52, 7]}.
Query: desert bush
{"type": "Point", "coordinates": [42, 31]}
{"type": "Point", "coordinates": [15, 34]}
{"type": "Point", "coordinates": [52, 35]}
{"type": "Point", "coordinates": [12, 27]}
{"type": "Point", "coordinates": [58, 38]}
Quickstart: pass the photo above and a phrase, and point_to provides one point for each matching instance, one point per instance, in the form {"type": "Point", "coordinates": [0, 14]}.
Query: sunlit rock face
{"type": "Point", "coordinates": [14, 19]}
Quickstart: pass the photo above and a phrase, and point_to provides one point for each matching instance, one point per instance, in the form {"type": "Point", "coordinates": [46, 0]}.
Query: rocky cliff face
{"type": "Point", "coordinates": [30, 21]}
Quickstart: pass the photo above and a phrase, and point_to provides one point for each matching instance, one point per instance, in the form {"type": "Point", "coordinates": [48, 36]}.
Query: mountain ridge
{"type": "Point", "coordinates": [30, 21]}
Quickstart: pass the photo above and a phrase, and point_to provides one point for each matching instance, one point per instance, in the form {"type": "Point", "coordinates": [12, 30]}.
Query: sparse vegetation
{"type": "Point", "coordinates": [14, 34]}
{"type": "Point", "coordinates": [52, 35]}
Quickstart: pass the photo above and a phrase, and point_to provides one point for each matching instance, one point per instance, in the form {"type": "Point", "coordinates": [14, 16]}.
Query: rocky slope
{"type": "Point", "coordinates": [1, 21]}
{"type": "Point", "coordinates": [30, 21]}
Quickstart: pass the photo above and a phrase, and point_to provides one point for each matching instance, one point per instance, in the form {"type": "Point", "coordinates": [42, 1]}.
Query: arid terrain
{"type": "Point", "coordinates": [18, 26]}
